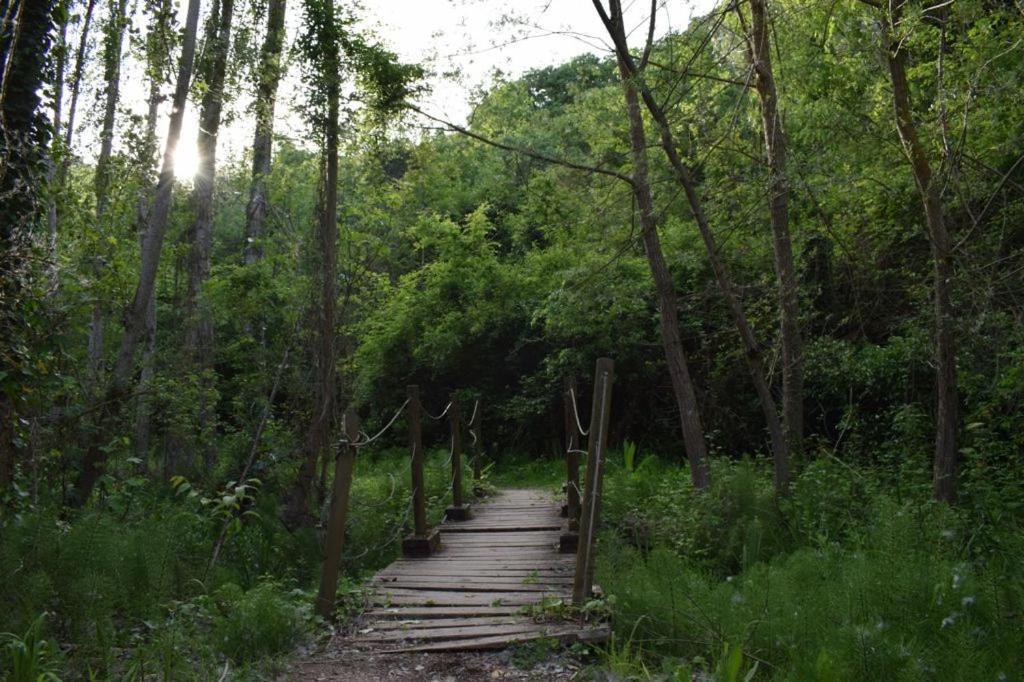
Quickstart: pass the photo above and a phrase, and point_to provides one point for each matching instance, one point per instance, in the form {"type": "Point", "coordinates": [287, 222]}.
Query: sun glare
{"type": "Point", "coordinates": [186, 161]}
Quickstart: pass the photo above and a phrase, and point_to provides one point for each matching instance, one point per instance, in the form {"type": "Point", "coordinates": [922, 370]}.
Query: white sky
{"type": "Point", "coordinates": [461, 42]}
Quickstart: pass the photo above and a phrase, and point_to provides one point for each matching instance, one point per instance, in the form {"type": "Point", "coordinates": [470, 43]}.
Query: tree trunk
{"type": "Point", "coordinates": [945, 462]}
{"type": "Point", "coordinates": [24, 138]}
{"type": "Point", "coordinates": [146, 162]}
{"type": "Point", "coordinates": [76, 79]}
{"type": "Point", "coordinates": [135, 317]}
{"type": "Point", "coordinates": [751, 347]}
{"type": "Point", "coordinates": [759, 53]}
{"type": "Point", "coordinates": [675, 354]}
{"type": "Point", "coordinates": [323, 411]}
{"type": "Point", "coordinates": [198, 328]}
{"type": "Point", "coordinates": [60, 70]}
{"type": "Point", "coordinates": [113, 40]}
{"type": "Point", "coordinates": [266, 96]}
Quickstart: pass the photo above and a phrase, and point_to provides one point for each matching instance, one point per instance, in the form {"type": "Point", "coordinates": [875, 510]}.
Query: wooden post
{"type": "Point", "coordinates": [478, 444]}
{"type": "Point", "coordinates": [600, 413]}
{"type": "Point", "coordinates": [335, 540]}
{"type": "Point", "coordinates": [568, 542]}
{"type": "Point", "coordinates": [422, 542]}
{"type": "Point", "coordinates": [458, 511]}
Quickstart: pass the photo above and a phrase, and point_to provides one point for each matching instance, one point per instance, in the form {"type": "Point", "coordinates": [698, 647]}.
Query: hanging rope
{"type": "Point", "coordinates": [440, 416]}
{"type": "Point", "coordinates": [597, 474]}
{"type": "Point", "coordinates": [576, 414]}
{"type": "Point", "coordinates": [367, 440]}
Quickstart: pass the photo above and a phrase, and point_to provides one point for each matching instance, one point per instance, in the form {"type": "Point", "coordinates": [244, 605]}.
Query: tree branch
{"type": "Point", "coordinates": [519, 150]}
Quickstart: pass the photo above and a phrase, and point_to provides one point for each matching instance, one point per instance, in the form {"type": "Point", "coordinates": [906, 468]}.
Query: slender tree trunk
{"type": "Point", "coordinates": [266, 96]}
{"type": "Point", "coordinates": [759, 53]}
{"type": "Point", "coordinates": [945, 462]}
{"type": "Point", "coordinates": [76, 79]}
{"type": "Point", "coordinates": [135, 317]}
{"type": "Point", "coordinates": [113, 41]}
{"type": "Point", "coordinates": [751, 347]}
{"type": "Point", "coordinates": [675, 355]}
{"type": "Point", "coordinates": [324, 408]}
{"type": "Point", "coordinates": [198, 330]}
{"type": "Point", "coordinates": [60, 69]}
{"type": "Point", "coordinates": [146, 161]}
{"type": "Point", "coordinates": [198, 325]}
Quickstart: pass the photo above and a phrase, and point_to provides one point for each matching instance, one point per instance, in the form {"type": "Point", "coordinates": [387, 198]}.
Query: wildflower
{"type": "Point", "coordinates": [949, 620]}
{"type": "Point", "coordinates": [968, 601]}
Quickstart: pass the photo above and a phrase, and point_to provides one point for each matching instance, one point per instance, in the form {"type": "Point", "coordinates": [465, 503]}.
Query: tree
{"type": "Point", "coordinates": [675, 355]}
{"type": "Point", "coordinates": [759, 54]}
{"type": "Point", "coordinates": [270, 70]}
{"type": "Point", "coordinates": [95, 459]}
{"type": "Point", "coordinates": [24, 135]}
{"type": "Point", "coordinates": [751, 347]}
{"type": "Point", "coordinates": [113, 39]}
{"type": "Point", "coordinates": [211, 72]}
{"type": "Point", "coordinates": [322, 47]}
{"type": "Point", "coordinates": [929, 188]}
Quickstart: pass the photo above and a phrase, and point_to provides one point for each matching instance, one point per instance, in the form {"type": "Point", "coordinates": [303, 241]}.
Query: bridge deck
{"type": "Point", "coordinates": [475, 593]}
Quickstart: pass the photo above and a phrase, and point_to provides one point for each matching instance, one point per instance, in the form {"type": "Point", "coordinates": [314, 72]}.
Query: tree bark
{"type": "Point", "coordinates": [945, 463]}
{"type": "Point", "coordinates": [135, 317]}
{"type": "Point", "coordinates": [266, 96]}
{"type": "Point", "coordinates": [759, 53]}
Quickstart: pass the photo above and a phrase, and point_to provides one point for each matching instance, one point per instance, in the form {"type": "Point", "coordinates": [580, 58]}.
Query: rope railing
{"type": "Point", "coordinates": [422, 541]}
{"type": "Point", "coordinates": [576, 413]}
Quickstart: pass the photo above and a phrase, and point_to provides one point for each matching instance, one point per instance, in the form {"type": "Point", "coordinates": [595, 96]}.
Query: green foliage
{"type": "Point", "coordinates": [30, 657]}
{"type": "Point", "coordinates": [886, 590]}
{"type": "Point", "coordinates": [260, 623]}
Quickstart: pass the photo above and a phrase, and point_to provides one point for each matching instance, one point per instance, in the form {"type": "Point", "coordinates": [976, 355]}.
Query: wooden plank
{"type": "Point", "coordinates": [522, 577]}
{"type": "Point", "coordinates": [418, 623]}
{"type": "Point", "coordinates": [434, 634]}
{"type": "Point", "coordinates": [441, 598]}
{"type": "Point", "coordinates": [565, 634]}
{"type": "Point", "coordinates": [444, 611]}
{"type": "Point", "coordinates": [504, 586]}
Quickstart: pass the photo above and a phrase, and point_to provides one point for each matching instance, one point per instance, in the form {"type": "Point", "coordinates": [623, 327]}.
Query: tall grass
{"type": "Point", "coordinates": [838, 582]}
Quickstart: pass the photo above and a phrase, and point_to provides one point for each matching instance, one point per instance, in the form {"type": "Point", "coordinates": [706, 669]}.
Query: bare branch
{"type": "Point", "coordinates": [520, 150]}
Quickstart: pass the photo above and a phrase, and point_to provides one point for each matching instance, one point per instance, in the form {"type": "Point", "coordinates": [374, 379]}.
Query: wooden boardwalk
{"type": "Point", "coordinates": [475, 593]}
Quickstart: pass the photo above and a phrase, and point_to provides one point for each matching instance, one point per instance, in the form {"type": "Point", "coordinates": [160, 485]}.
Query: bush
{"type": "Point", "coordinates": [262, 623]}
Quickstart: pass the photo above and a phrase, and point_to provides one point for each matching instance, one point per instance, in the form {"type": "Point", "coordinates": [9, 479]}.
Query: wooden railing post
{"type": "Point", "coordinates": [335, 540]}
{"type": "Point", "coordinates": [572, 460]}
{"type": "Point", "coordinates": [422, 542]}
{"type": "Point", "coordinates": [478, 444]}
{"type": "Point", "coordinates": [600, 413]}
{"type": "Point", "coordinates": [458, 511]}
{"type": "Point", "coordinates": [568, 542]}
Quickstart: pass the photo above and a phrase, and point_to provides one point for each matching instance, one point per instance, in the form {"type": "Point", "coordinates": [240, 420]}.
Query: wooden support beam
{"type": "Point", "coordinates": [600, 413]}
{"type": "Point", "coordinates": [423, 542]}
{"type": "Point", "coordinates": [478, 443]}
{"type": "Point", "coordinates": [335, 541]}
{"type": "Point", "coordinates": [459, 511]}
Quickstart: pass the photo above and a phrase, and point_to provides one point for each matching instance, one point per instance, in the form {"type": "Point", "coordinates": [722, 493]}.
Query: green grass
{"type": "Point", "coordinates": [838, 582]}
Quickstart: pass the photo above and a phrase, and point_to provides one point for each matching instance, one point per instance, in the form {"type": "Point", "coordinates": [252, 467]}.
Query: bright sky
{"type": "Point", "coordinates": [462, 42]}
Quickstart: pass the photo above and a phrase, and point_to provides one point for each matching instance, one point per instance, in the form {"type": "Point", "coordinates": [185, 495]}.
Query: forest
{"type": "Point", "coordinates": [796, 226]}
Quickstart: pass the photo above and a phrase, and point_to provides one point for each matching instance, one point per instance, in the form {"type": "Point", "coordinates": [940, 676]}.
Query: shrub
{"type": "Point", "coordinates": [264, 622]}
